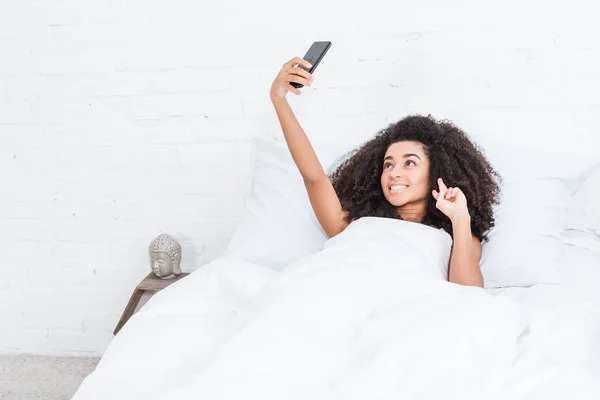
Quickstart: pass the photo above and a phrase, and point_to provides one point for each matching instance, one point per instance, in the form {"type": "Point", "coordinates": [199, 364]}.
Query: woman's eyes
{"type": "Point", "coordinates": [408, 163]}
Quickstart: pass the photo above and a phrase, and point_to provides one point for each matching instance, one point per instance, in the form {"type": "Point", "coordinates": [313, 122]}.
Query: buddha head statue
{"type": "Point", "coordinates": [165, 256]}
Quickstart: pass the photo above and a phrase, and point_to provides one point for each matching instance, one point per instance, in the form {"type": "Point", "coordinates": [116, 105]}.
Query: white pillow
{"type": "Point", "coordinates": [279, 227]}
{"type": "Point", "coordinates": [583, 226]}
{"type": "Point", "coordinates": [523, 247]}
{"type": "Point", "coordinates": [526, 246]}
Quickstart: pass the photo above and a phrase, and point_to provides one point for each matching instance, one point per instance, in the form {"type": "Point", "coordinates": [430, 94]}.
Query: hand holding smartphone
{"type": "Point", "coordinates": [298, 72]}
{"type": "Point", "coordinates": [314, 55]}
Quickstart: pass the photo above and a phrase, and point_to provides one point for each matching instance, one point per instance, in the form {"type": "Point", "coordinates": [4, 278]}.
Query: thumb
{"type": "Point", "coordinates": [435, 194]}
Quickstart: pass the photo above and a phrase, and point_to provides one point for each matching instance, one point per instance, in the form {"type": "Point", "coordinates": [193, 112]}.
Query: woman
{"type": "Point", "coordinates": [418, 170]}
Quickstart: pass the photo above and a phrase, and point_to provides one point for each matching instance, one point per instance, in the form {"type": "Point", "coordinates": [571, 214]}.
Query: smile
{"type": "Point", "coordinates": [397, 188]}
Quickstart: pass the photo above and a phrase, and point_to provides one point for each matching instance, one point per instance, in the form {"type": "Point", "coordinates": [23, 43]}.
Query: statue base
{"type": "Point", "coordinates": [150, 285]}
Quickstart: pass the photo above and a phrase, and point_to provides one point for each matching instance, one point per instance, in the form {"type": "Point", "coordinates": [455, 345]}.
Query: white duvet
{"type": "Point", "coordinates": [371, 316]}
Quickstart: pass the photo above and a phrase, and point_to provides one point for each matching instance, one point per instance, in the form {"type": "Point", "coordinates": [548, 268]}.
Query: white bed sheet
{"type": "Point", "coordinates": [177, 331]}
{"type": "Point", "coordinates": [181, 329]}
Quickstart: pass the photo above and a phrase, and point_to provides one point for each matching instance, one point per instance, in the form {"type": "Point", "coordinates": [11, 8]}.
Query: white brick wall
{"type": "Point", "coordinates": [121, 120]}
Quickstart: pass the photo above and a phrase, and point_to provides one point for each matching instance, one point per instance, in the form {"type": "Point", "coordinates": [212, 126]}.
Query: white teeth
{"type": "Point", "coordinates": [398, 187]}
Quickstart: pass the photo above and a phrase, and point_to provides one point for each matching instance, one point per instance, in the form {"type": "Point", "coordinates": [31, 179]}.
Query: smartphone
{"type": "Point", "coordinates": [314, 55]}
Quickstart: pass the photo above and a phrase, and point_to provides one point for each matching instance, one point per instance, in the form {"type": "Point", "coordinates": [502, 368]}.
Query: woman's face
{"type": "Point", "coordinates": [405, 176]}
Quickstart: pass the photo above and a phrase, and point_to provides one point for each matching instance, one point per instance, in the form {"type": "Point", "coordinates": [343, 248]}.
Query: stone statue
{"type": "Point", "coordinates": [165, 256]}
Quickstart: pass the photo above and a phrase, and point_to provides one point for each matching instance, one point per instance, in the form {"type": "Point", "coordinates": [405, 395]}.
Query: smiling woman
{"type": "Point", "coordinates": [402, 171]}
{"type": "Point", "coordinates": [402, 174]}
{"type": "Point", "coordinates": [405, 179]}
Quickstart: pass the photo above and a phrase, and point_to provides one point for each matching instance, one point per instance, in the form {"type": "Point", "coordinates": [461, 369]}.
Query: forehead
{"type": "Point", "coordinates": [398, 149]}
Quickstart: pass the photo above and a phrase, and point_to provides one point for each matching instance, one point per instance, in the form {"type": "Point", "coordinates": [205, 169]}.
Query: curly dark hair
{"type": "Point", "coordinates": [453, 157]}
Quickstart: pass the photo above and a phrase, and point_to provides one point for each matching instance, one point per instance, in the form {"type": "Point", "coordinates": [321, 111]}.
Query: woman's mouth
{"type": "Point", "coordinates": [397, 188]}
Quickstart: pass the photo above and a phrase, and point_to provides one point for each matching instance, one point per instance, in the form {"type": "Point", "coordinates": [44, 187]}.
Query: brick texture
{"type": "Point", "coordinates": [123, 120]}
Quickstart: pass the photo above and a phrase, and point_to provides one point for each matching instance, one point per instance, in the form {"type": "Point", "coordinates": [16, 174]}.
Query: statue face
{"type": "Point", "coordinates": [161, 265]}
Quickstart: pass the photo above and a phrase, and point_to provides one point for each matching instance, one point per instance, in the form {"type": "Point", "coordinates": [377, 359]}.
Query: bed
{"type": "Point", "coordinates": [287, 313]}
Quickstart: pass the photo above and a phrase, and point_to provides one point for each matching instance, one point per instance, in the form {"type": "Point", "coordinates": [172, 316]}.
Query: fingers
{"type": "Point", "coordinates": [298, 79]}
{"type": "Point", "coordinates": [445, 192]}
{"type": "Point", "coordinates": [451, 193]}
{"type": "Point", "coordinates": [298, 75]}
{"type": "Point", "coordinates": [442, 184]}
{"type": "Point", "coordinates": [292, 73]}
{"type": "Point", "coordinates": [297, 61]}
{"type": "Point", "coordinates": [292, 89]}
{"type": "Point", "coordinates": [298, 71]}
{"type": "Point", "coordinates": [443, 188]}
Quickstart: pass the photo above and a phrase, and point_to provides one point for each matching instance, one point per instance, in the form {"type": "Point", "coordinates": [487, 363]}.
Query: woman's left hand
{"type": "Point", "coordinates": [451, 201]}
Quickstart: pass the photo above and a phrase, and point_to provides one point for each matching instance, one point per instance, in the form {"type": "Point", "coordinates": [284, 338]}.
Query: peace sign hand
{"type": "Point", "coordinates": [451, 201]}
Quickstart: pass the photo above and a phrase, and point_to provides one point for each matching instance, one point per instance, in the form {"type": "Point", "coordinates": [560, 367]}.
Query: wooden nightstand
{"type": "Point", "coordinates": [143, 291]}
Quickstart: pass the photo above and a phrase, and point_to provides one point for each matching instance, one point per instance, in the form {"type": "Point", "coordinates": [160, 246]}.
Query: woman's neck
{"type": "Point", "coordinates": [413, 212]}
